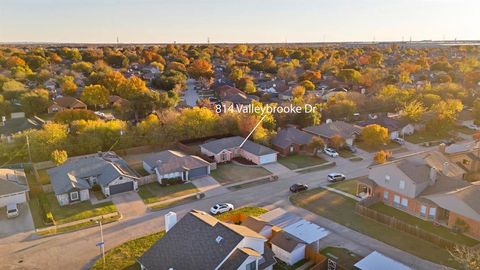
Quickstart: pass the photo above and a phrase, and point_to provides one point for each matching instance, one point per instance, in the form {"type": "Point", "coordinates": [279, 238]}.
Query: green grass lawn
{"type": "Point", "coordinates": [124, 257]}
{"type": "Point", "coordinates": [283, 266]}
{"type": "Point", "coordinates": [300, 161]}
{"type": "Point", "coordinates": [43, 177]}
{"type": "Point", "coordinates": [423, 136]}
{"type": "Point", "coordinates": [348, 186]}
{"type": "Point", "coordinates": [375, 148]}
{"type": "Point", "coordinates": [154, 192]}
{"type": "Point", "coordinates": [343, 257]}
{"type": "Point", "coordinates": [344, 153]}
{"type": "Point", "coordinates": [247, 211]}
{"type": "Point", "coordinates": [139, 169]}
{"type": "Point", "coordinates": [341, 209]}
{"type": "Point", "coordinates": [426, 225]}
{"type": "Point", "coordinates": [78, 211]}
{"type": "Point", "coordinates": [230, 173]}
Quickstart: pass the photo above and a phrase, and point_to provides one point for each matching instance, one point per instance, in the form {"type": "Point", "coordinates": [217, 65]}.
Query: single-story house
{"type": "Point", "coordinates": [66, 103]}
{"type": "Point", "coordinates": [258, 225]}
{"type": "Point", "coordinates": [18, 123]}
{"type": "Point", "coordinates": [173, 165]}
{"type": "Point", "coordinates": [396, 128]}
{"type": "Point", "coordinates": [336, 128]}
{"type": "Point", "coordinates": [225, 149]}
{"type": "Point", "coordinates": [200, 241]}
{"type": "Point", "coordinates": [377, 260]}
{"type": "Point", "coordinates": [13, 187]}
{"type": "Point", "coordinates": [296, 237]}
{"type": "Point", "coordinates": [291, 140]}
{"type": "Point", "coordinates": [72, 181]}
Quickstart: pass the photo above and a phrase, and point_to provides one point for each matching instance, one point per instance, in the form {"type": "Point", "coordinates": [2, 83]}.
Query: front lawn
{"type": "Point", "coordinates": [341, 209]}
{"type": "Point", "coordinates": [343, 257]}
{"type": "Point", "coordinates": [78, 211]}
{"type": "Point", "coordinates": [426, 225]}
{"type": "Point", "coordinates": [424, 136]}
{"type": "Point", "coordinates": [300, 161]}
{"type": "Point", "coordinates": [123, 257]}
{"type": "Point", "coordinates": [348, 186]}
{"type": "Point", "coordinates": [246, 211]}
{"type": "Point", "coordinates": [230, 173]}
{"type": "Point", "coordinates": [375, 148]}
{"type": "Point", "coordinates": [154, 192]}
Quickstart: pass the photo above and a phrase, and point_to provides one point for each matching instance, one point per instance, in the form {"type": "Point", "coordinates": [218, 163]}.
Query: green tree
{"type": "Point", "coordinates": [35, 102]}
{"type": "Point", "coordinates": [68, 85]}
{"type": "Point", "coordinates": [349, 75]}
{"type": "Point", "coordinates": [413, 111]}
{"type": "Point", "coordinates": [95, 95]}
{"type": "Point", "coordinates": [68, 116]}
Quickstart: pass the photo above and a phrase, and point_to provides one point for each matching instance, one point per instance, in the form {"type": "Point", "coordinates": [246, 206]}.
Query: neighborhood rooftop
{"type": "Point", "coordinates": [217, 146]}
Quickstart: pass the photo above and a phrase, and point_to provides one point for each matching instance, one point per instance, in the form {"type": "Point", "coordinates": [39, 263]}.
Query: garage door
{"type": "Point", "coordinates": [198, 172]}
{"type": "Point", "coordinates": [114, 189]}
{"type": "Point", "coordinates": [15, 198]}
{"type": "Point", "coordinates": [268, 158]}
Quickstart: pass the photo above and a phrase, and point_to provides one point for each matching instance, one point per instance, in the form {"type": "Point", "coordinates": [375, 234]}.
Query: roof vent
{"type": "Point", "coordinates": [219, 239]}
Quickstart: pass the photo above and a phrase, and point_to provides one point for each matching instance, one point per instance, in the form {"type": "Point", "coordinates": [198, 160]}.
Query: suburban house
{"type": "Point", "coordinates": [465, 118]}
{"type": "Point", "coordinates": [116, 101]}
{"type": "Point", "coordinates": [226, 149]}
{"type": "Point", "coordinates": [428, 186]}
{"type": "Point", "coordinates": [336, 128]}
{"type": "Point", "coordinates": [175, 165]}
{"type": "Point", "coordinates": [72, 181]}
{"type": "Point", "coordinates": [377, 260]}
{"type": "Point", "coordinates": [66, 103]}
{"type": "Point", "coordinates": [200, 241]}
{"type": "Point", "coordinates": [292, 237]}
{"type": "Point", "coordinates": [18, 123]}
{"type": "Point", "coordinates": [396, 128]}
{"type": "Point", "coordinates": [13, 187]}
{"type": "Point", "coordinates": [291, 140]}
{"type": "Point", "coordinates": [465, 156]}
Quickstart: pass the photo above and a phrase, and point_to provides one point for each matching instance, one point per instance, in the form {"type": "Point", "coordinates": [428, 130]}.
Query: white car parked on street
{"type": "Point", "coordinates": [330, 152]}
{"type": "Point", "coordinates": [221, 208]}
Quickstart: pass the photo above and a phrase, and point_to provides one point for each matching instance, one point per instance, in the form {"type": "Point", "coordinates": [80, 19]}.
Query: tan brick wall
{"type": "Point", "coordinates": [413, 208]}
{"type": "Point", "coordinates": [474, 225]}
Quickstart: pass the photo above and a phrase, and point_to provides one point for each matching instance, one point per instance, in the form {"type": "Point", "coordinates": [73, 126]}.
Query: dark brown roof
{"type": "Point", "coordinates": [255, 224]}
{"type": "Point", "coordinates": [288, 136]}
{"type": "Point", "coordinates": [69, 102]}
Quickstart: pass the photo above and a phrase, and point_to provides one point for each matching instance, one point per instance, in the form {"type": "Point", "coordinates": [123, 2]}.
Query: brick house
{"type": "Point", "coordinates": [66, 103]}
{"type": "Point", "coordinates": [427, 186]}
{"type": "Point", "coordinates": [291, 140]}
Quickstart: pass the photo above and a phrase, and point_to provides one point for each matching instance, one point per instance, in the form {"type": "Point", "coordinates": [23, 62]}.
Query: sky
{"type": "Point", "coordinates": [237, 21]}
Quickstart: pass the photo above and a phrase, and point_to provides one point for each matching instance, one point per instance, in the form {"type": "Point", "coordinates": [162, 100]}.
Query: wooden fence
{"type": "Point", "coordinates": [404, 227]}
{"type": "Point", "coordinates": [147, 179]}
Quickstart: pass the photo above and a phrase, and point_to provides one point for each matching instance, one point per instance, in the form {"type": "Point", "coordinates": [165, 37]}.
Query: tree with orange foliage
{"type": "Point", "coordinates": [382, 156]}
{"type": "Point", "coordinates": [337, 142]}
{"type": "Point", "coordinates": [200, 69]}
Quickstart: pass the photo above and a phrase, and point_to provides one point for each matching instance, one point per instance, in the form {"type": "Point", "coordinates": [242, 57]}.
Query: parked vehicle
{"type": "Point", "coordinates": [330, 152]}
{"type": "Point", "coordinates": [12, 210]}
{"type": "Point", "coordinates": [398, 141]}
{"type": "Point", "coordinates": [473, 126]}
{"type": "Point", "coordinates": [298, 187]}
{"type": "Point", "coordinates": [336, 177]}
{"type": "Point", "coordinates": [448, 142]}
{"type": "Point", "coordinates": [221, 208]}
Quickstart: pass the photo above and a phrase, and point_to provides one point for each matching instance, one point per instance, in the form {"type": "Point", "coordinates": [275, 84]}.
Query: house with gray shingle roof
{"type": "Point", "coordinates": [72, 180]}
{"type": "Point", "coordinates": [200, 241]}
{"type": "Point", "coordinates": [226, 149]}
{"type": "Point", "coordinates": [175, 165]}
{"type": "Point", "coordinates": [291, 140]}
{"type": "Point", "coordinates": [13, 187]}
{"type": "Point", "coordinates": [336, 128]}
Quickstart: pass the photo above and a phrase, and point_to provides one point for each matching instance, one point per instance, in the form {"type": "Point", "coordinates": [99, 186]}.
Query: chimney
{"type": "Point", "coordinates": [445, 168]}
{"type": "Point", "coordinates": [170, 220]}
{"type": "Point", "coordinates": [442, 147]}
{"type": "Point", "coordinates": [433, 176]}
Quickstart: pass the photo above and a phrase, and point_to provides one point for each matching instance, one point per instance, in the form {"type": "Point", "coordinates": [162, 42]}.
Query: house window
{"type": "Point", "coordinates": [291, 149]}
{"type": "Point", "coordinates": [432, 213]}
{"type": "Point", "coordinates": [252, 266]}
{"type": "Point", "coordinates": [404, 202]}
{"type": "Point", "coordinates": [387, 178]}
{"type": "Point", "coordinates": [385, 195]}
{"type": "Point", "coordinates": [423, 211]}
{"type": "Point", "coordinates": [396, 201]}
{"type": "Point", "coordinates": [402, 184]}
{"type": "Point", "coordinates": [74, 196]}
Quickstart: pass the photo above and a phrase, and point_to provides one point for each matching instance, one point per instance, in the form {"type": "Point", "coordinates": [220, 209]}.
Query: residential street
{"type": "Point", "coordinates": [77, 250]}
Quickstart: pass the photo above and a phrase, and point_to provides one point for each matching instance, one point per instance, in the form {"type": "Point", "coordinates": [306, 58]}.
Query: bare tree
{"type": "Point", "coordinates": [469, 258]}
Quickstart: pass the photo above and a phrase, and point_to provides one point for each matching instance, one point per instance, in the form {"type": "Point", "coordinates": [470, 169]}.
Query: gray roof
{"type": "Point", "coordinates": [285, 241]}
{"type": "Point", "coordinates": [416, 169]}
{"type": "Point", "coordinates": [192, 244]}
{"type": "Point", "coordinates": [74, 174]}
{"type": "Point", "coordinates": [16, 125]}
{"type": "Point", "coordinates": [390, 123]}
{"type": "Point", "coordinates": [331, 129]}
{"type": "Point", "coordinates": [288, 136]}
{"type": "Point", "coordinates": [12, 181]}
{"type": "Point", "coordinates": [254, 223]}
{"type": "Point", "coordinates": [172, 161]}
{"type": "Point", "coordinates": [218, 146]}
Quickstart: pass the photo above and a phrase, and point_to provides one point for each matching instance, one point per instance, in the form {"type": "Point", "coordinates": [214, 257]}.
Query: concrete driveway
{"type": "Point", "coordinates": [191, 95]}
{"type": "Point", "coordinates": [12, 226]}
{"type": "Point", "coordinates": [209, 186]}
{"type": "Point", "coordinates": [277, 168]}
{"type": "Point", "coordinates": [129, 204]}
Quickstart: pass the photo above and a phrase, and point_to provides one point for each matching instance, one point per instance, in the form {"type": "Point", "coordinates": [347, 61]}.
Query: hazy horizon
{"type": "Point", "coordinates": [248, 21]}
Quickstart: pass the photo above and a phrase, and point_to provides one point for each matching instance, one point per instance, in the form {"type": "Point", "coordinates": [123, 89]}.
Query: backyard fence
{"type": "Point", "coordinates": [320, 261]}
{"type": "Point", "coordinates": [404, 227]}
{"type": "Point", "coordinates": [147, 179]}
